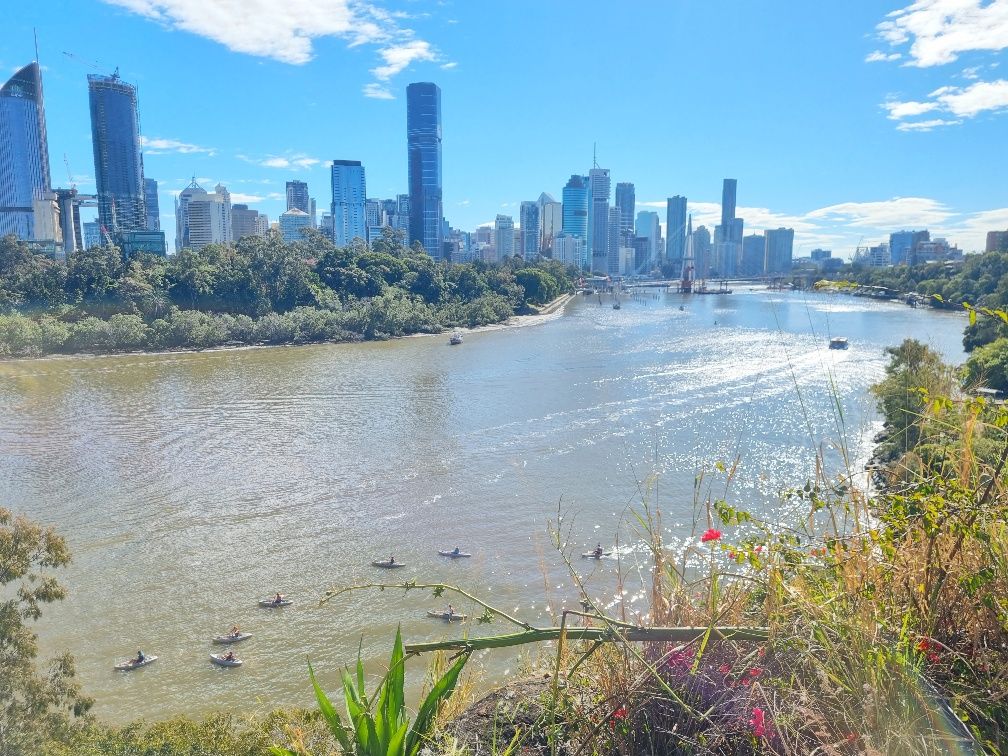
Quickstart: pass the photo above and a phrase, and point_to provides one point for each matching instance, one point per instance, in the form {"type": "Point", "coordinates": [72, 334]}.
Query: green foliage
{"type": "Point", "coordinates": [258, 291]}
{"type": "Point", "coordinates": [379, 725]}
{"type": "Point", "coordinates": [34, 707]}
{"type": "Point", "coordinates": [988, 366]}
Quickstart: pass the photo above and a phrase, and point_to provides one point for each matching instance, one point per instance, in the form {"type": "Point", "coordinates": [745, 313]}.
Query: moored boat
{"type": "Point", "coordinates": [838, 342]}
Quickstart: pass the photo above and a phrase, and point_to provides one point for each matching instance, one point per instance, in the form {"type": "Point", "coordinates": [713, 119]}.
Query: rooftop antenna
{"type": "Point", "coordinates": [594, 155]}
{"type": "Point", "coordinates": [35, 34]}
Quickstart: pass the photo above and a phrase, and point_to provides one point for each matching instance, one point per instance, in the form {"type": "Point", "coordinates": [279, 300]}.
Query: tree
{"type": "Point", "coordinates": [988, 366]}
{"type": "Point", "coordinates": [34, 707]}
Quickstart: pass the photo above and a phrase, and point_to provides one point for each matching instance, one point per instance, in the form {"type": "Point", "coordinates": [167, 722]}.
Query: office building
{"type": "Point", "coordinates": [528, 218]}
{"type": "Point", "coordinates": [349, 197]}
{"type": "Point", "coordinates": [152, 205]}
{"type": "Point", "coordinates": [293, 224]}
{"type": "Point", "coordinates": [675, 229]}
{"type": "Point", "coordinates": [649, 227]}
{"type": "Point", "coordinates": [569, 249]}
{"type": "Point", "coordinates": [753, 255]}
{"type": "Point", "coordinates": [92, 235]}
{"type": "Point", "coordinates": [262, 225]}
{"type": "Point", "coordinates": [997, 241]}
{"type": "Point", "coordinates": [504, 237]}
{"type": "Point", "coordinates": [626, 202]}
{"type": "Point", "coordinates": [423, 137]}
{"type": "Point", "coordinates": [779, 250]}
{"type": "Point", "coordinates": [24, 151]}
{"type": "Point", "coordinates": [115, 137]}
{"type": "Point", "coordinates": [550, 221]}
{"type": "Point", "coordinates": [206, 218]}
{"type": "Point", "coordinates": [245, 222]}
{"type": "Point", "coordinates": [297, 196]}
{"type": "Point", "coordinates": [576, 196]}
{"type": "Point", "coordinates": [599, 188]}
{"type": "Point", "coordinates": [728, 235]}
{"type": "Point", "coordinates": [703, 252]}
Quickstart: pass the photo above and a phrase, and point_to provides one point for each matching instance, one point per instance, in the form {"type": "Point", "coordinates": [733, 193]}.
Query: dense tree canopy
{"type": "Point", "coordinates": [256, 291]}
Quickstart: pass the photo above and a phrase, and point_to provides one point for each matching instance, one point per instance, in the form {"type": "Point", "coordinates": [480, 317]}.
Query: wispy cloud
{"type": "Point", "coordinates": [936, 32]}
{"type": "Point", "coordinates": [928, 125]}
{"type": "Point", "coordinates": [296, 160]}
{"type": "Point", "coordinates": [377, 91]}
{"type": "Point", "coordinates": [878, 56]}
{"type": "Point", "coordinates": [286, 31]}
{"type": "Point", "coordinates": [961, 102]}
{"type": "Point", "coordinates": [159, 146]}
{"type": "Point", "coordinates": [450, 65]}
{"type": "Point", "coordinates": [245, 199]}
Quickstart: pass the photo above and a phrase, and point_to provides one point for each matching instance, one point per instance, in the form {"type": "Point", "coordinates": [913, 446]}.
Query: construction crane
{"type": "Point", "coordinates": [84, 61]}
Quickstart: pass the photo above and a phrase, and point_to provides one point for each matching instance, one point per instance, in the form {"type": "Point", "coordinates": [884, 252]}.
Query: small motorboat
{"type": "Point", "coordinates": [455, 554]}
{"type": "Point", "coordinates": [389, 565]}
{"type": "Point", "coordinates": [272, 603]}
{"type": "Point", "coordinates": [221, 660]}
{"type": "Point", "coordinates": [230, 638]}
{"type": "Point", "coordinates": [595, 554]}
{"type": "Point", "coordinates": [456, 339]}
{"type": "Point", "coordinates": [129, 666]}
{"type": "Point", "coordinates": [838, 342]}
{"type": "Point", "coordinates": [681, 308]}
{"type": "Point", "coordinates": [616, 306]}
{"type": "Point", "coordinates": [446, 616]}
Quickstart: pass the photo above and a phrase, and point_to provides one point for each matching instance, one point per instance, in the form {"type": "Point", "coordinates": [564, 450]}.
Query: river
{"type": "Point", "coordinates": [191, 484]}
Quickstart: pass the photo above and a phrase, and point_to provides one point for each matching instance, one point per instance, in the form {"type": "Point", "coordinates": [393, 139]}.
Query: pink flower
{"type": "Point", "coordinates": [710, 535]}
{"type": "Point", "coordinates": [757, 722]}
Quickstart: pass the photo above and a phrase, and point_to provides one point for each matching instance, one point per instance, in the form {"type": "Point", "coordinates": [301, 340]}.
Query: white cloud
{"type": "Point", "coordinates": [158, 146]}
{"type": "Point", "coordinates": [285, 31]}
{"type": "Point", "coordinates": [297, 160]}
{"type": "Point", "coordinates": [377, 91]}
{"type": "Point", "coordinates": [449, 66]}
{"type": "Point", "coordinates": [879, 56]}
{"type": "Point", "coordinates": [961, 102]}
{"type": "Point", "coordinates": [245, 199]}
{"type": "Point", "coordinates": [398, 57]}
{"type": "Point", "coordinates": [938, 31]}
{"type": "Point", "coordinates": [933, 123]}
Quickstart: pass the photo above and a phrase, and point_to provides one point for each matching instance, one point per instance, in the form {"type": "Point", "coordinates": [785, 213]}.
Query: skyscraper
{"type": "Point", "coordinates": [702, 252]}
{"type": "Point", "coordinates": [423, 137]}
{"type": "Point", "coordinates": [202, 218]}
{"type": "Point", "coordinates": [575, 207]}
{"type": "Point", "coordinates": [349, 196]}
{"type": "Point", "coordinates": [626, 202]}
{"type": "Point", "coordinates": [675, 229]}
{"type": "Point", "coordinates": [550, 221]}
{"type": "Point", "coordinates": [504, 236]}
{"type": "Point", "coordinates": [530, 230]}
{"type": "Point", "coordinates": [613, 244]}
{"type": "Point", "coordinates": [753, 255]}
{"type": "Point", "coordinates": [728, 235]}
{"type": "Point", "coordinates": [115, 136]}
{"type": "Point", "coordinates": [151, 205]}
{"type": "Point", "coordinates": [728, 190]}
{"type": "Point", "coordinates": [24, 151]}
{"type": "Point", "coordinates": [293, 223]}
{"type": "Point", "coordinates": [297, 196]}
{"type": "Point", "coordinates": [598, 219]}
{"type": "Point", "coordinates": [648, 228]}
{"type": "Point", "coordinates": [779, 250]}
{"type": "Point", "coordinates": [244, 222]}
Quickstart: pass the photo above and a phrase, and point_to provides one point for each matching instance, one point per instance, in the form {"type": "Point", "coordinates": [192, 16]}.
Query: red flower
{"type": "Point", "coordinates": [923, 645]}
{"type": "Point", "coordinates": [710, 535]}
{"type": "Point", "coordinates": [757, 722]}
{"type": "Point", "coordinates": [754, 672]}
{"type": "Point", "coordinates": [617, 716]}
{"type": "Point", "coordinates": [724, 669]}
{"type": "Point", "coordinates": [933, 658]}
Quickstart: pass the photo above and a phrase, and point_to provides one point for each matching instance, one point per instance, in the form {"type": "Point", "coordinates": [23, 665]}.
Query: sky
{"type": "Point", "coordinates": [842, 120]}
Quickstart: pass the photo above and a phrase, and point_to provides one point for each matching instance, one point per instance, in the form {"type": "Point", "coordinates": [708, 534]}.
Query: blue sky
{"type": "Point", "coordinates": [844, 121]}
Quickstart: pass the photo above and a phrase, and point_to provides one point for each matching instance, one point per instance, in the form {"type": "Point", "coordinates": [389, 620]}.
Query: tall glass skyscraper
{"type": "Point", "coordinates": [728, 202]}
{"type": "Point", "coordinates": [531, 231]}
{"type": "Point", "coordinates": [626, 201]}
{"type": "Point", "coordinates": [675, 228]}
{"type": "Point", "coordinates": [423, 137]}
{"type": "Point", "coordinates": [598, 219]}
{"type": "Point", "coordinates": [115, 135]}
{"type": "Point", "coordinates": [349, 193]}
{"type": "Point", "coordinates": [24, 152]}
{"type": "Point", "coordinates": [297, 196]}
{"type": "Point", "coordinates": [151, 205]}
{"type": "Point", "coordinates": [575, 208]}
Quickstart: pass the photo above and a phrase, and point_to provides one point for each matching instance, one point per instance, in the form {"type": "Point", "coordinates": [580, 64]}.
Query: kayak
{"type": "Point", "coordinates": [594, 554]}
{"type": "Point", "coordinates": [271, 604]}
{"type": "Point", "coordinates": [454, 555]}
{"type": "Point", "coordinates": [220, 661]}
{"type": "Point", "coordinates": [231, 638]}
{"type": "Point", "coordinates": [129, 666]}
{"type": "Point", "coordinates": [389, 565]}
{"type": "Point", "coordinates": [453, 617]}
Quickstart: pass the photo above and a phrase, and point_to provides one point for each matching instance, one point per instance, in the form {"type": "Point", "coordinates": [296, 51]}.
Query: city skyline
{"type": "Point", "coordinates": [834, 151]}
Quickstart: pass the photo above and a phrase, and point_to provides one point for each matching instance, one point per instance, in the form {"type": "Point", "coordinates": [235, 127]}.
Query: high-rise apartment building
{"type": "Point", "coordinates": [209, 218]}
{"type": "Point", "coordinates": [423, 137]}
{"type": "Point", "coordinates": [997, 241]}
{"type": "Point", "coordinates": [728, 190]}
{"type": "Point", "coordinates": [569, 249]}
{"type": "Point", "coordinates": [728, 235]}
{"type": "Point", "coordinates": [504, 236]}
{"type": "Point", "coordinates": [675, 229]}
{"type": "Point", "coordinates": [753, 255]}
{"type": "Point", "coordinates": [297, 196]}
{"type": "Point", "coordinates": [599, 188]}
{"type": "Point", "coordinates": [293, 224]}
{"type": "Point", "coordinates": [613, 244]}
{"type": "Point", "coordinates": [779, 250]}
{"type": "Point", "coordinates": [24, 151]}
{"type": "Point", "coordinates": [151, 205]}
{"type": "Point", "coordinates": [92, 235]}
{"type": "Point", "coordinates": [626, 202]}
{"type": "Point", "coordinates": [702, 252]}
{"type": "Point", "coordinates": [649, 228]}
{"type": "Point", "coordinates": [528, 218]}
{"type": "Point", "coordinates": [115, 136]}
{"type": "Point", "coordinates": [902, 245]}
{"type": "Point", "coordinates": [349, 196]}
